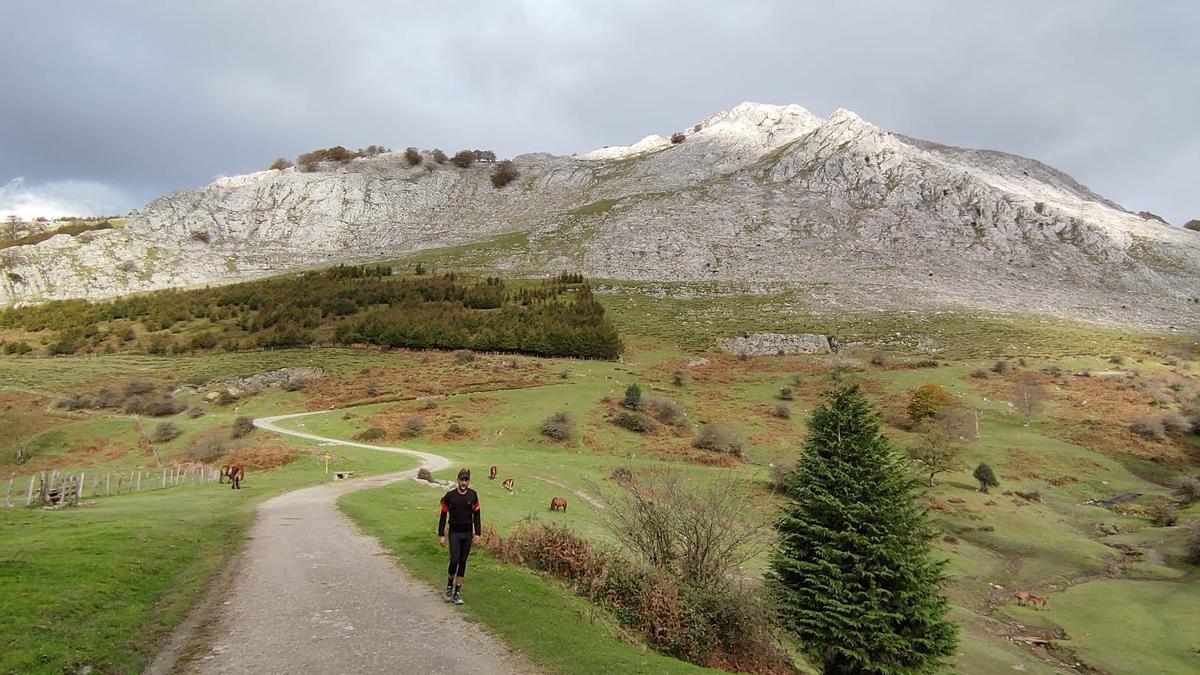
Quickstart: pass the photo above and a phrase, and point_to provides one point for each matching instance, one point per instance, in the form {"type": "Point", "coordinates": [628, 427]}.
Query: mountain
{"type": "Point", "coordinates": [759, 196]}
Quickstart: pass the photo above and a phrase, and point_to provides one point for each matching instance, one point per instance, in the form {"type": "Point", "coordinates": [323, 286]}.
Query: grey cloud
{"type": "Point", "coordinates": [149, 97]}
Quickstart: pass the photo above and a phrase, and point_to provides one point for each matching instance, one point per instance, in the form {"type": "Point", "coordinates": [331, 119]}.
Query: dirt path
{"type": "Point", "coordinates": [578, 493]}
{"type": "Point", "coordinates": [309, 593]}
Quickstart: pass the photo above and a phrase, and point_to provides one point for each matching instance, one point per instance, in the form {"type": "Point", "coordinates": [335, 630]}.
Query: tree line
{"type": "Point", "coordinates": [342, 305]}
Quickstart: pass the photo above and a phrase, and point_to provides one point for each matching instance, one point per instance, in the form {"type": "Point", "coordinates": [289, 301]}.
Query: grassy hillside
{"type": "Point", "coordinates": [1108, 591]}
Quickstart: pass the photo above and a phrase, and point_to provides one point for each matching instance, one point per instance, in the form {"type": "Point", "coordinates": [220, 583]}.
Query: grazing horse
{"type": "Point", "coordinates": [1022, 597]}
{"type": "Point", "coordinates": [558, 503]}
{"type": "Point", "coordinates": [1038, 601]}
{"type": "Point", "coordinates": [492, 472]}
{"type": "Point", "coordinates": [507, 484]}
{"type": "Point", "coordinates": [235, 473]}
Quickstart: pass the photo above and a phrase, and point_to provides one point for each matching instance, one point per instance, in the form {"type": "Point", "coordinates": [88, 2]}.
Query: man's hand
{"type": "Point", "coordinates": [442, 542]}
{"type": "Point", "coordinates": [475, 539]}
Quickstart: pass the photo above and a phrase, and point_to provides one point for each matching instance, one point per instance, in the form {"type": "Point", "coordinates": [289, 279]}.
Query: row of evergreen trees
{"type": "Point", "coordinates": [341, 305]}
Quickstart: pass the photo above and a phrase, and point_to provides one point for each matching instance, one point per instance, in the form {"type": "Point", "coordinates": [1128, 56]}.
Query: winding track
{"type": "Point", "coordinates": [309, 593]}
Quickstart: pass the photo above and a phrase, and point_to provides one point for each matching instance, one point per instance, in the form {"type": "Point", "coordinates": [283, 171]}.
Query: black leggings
{"type": "Point", "coordinates": [460, 548]}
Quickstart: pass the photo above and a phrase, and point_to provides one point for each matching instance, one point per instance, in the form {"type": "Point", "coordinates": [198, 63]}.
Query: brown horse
{"type": "Point", "coordinates": [1022, 597]}
{"type": "Point", "coordinates": [492, 472]}
{"type": "Point", "coordinates": [1038, 601]}
{"type": "Point", "coordinates": [558, 503]}
{"type": "Point", "coordinates": [507, 484]}
{"type": "Point", "coordinates": [236, 475]}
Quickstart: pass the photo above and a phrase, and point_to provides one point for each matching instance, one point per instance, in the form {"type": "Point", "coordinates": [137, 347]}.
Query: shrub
{"type": "Point", "coordinates": [1001, 367]}
{"type": "Point", "coordinates": [879, 359]}
{"type": "Point", "coordinates": [412, 156]}
{"type": "Point", "coordinates": [927, 400]}
{"type": "Point", "coordinates": [504, 173]}
{"type": "Point", "coordinates": [455, 429]}
{"type": "Point", "coordinates": [1117, 359]}
{"type": "Point", "coordinates": [372, 434]}
{"type": "Point", "coordinates": [665, 410]}
{"type": "Point", "coordinates": [412, 426]}
{"type": "Point", "coordinates": [206, 448]}
{"type": "Point", "coordinates": [242, 426]}
{"type": "Point", "coordinates": [780, 473]}
{"type": "Point", "coordinates": [1053, 370]}
{"type": "Point", "coordinates": [678, 137]}
{"type": "Point", "coordinates": [797, 379]}
{"type": "Point", "coordinates": [165, 432]}
{"type": "Point", "coordinates": [782, 412]}
{"type": "Point", "coordinates": [1163, 513]}
{"type": "Point", "coordinates": [635, 421]}
{"type": "Point", "coordinates": [986, 477]}
{"type": "Point", "coordinates": [719, 438]}
{"type": "Point", "coordinates": [559, 426]}
{"type": "Point", "coordinates": [463, 158]}
{"type": "Point", "coordinates": [785, 394]}
{"type": "Point", "coordinates": [18, 348]}
{"type": "Point", "coordinates": [139, 386]}
{"type": "Point", "coordinates": [201, 236]}
{"type": "Point", "coordinates": [153, 405]}
{"type": "Point", "coordinates": [438, 156]}
{"type": "Point", "coordinates": [280, 164]}
{"type": "Point", "coordinates": [633, 396]}
{"type": "Point", "coordinates": [425, 474]}
{"type": "Point", "coordinates": [1193, 539]}
{"type": "Point", "coordinates": [679, 378]}
{"type": "Point", "coordinates": [1186, 489]}
{"type": "Point", "coordinates": [1150, 428]}
{"type": "Point", "coordinates": [372, 388]}
{"type": "Point", "coordinates": [427, 404]}
{"type": "Point", "coordinates": [1175, 423]}
{"type": "Point", "coordinates": [464, 356]}
{"type": "Point", "coordinates": [980, 374]}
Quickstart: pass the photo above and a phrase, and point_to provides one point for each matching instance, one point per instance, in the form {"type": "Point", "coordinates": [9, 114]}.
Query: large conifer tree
{"type": "Point", "coordinates": [852, 568]}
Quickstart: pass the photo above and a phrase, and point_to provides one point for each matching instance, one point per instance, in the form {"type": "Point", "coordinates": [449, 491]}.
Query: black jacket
{"type": "Point", "coordinates": [463, 510]}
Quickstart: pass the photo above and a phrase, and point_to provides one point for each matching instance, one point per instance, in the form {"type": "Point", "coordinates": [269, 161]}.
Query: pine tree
{"type": "Point", "coordinates": [852, 569]}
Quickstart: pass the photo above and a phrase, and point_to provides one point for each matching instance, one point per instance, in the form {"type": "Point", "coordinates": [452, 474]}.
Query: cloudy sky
{"type": "Point", "coordinates": [106, 105]}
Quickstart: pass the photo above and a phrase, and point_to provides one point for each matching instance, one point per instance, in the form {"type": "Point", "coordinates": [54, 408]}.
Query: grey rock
{"type": "Point", "coordinates": [763, 199]}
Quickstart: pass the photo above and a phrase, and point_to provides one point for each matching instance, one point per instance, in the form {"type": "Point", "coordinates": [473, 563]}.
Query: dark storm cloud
{"type": "Point", "coordinates": [139, 98]}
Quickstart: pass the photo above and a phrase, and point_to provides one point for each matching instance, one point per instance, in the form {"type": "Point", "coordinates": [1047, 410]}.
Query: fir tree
{"type": "Point", "coordinates": [852, 567]}
{"type": "Point", "coordinates": [633, 396]}
{"type": "Point", "coordinates": [986, 477]}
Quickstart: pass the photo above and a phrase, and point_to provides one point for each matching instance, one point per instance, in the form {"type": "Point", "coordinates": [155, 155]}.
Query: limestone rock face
{"type": "Point", "coordinates": [762, 197]}
{"type": "Point", "coordinates": [756, 344]}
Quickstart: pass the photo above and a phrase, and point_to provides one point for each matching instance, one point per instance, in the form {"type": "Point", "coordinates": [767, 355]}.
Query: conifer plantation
{"type": "Point", "coordinates": [852, 569]}
{"type": "Point", "coordinates": [343, 305]}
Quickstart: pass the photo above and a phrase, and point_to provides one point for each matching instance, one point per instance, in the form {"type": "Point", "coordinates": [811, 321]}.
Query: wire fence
{"type": "Point", "coordinates": [59, 487]}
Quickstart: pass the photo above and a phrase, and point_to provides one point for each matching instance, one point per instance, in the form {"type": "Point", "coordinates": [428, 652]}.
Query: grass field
{"type": "Point", "coordinates": [102, 584]}
{"type": "Point", "coordinates": [74, 594]}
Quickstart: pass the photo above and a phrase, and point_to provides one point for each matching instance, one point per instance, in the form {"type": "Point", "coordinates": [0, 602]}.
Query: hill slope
{"type": "Point", "coordinates": [761, 194]}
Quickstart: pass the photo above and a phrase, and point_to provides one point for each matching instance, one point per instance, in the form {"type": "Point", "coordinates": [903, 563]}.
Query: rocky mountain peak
{"type": "Point", "coordinates": [840, 211]}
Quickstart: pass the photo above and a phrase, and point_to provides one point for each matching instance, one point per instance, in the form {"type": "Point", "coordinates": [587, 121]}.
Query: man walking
{"type": "Point", "coordinates": [462, 507]}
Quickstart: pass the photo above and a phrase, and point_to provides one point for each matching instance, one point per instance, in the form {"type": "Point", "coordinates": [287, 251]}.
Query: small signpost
{"type": "Point", "coordinates": [328, 456]}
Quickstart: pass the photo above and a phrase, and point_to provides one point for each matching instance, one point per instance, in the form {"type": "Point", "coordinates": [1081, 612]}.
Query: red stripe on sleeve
{"type": "Point", "coordinates": [476, 507]}
{"type": "Point", "coordinates": [445, 509]}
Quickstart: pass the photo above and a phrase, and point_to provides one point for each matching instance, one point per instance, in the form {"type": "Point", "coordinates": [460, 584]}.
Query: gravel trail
{"type": "Point", "coordinates": [310, 593]}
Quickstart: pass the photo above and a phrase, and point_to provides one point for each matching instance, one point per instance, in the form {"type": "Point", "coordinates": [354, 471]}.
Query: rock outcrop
{"type": "Point", "coordinates": [844, 214]}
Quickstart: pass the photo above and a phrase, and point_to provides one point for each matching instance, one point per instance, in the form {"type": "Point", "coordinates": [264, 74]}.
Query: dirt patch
{"type": "Point", "coordinates": [426, 374]}
{"type": "Point", "coordinates": [260, 457]}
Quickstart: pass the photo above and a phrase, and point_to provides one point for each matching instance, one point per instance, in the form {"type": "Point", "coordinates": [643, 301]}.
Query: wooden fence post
{"type": "Point", "coordinates": [29, 496]}
{"type": "Point", "coordinates": [8, 493]}
{"type": "Point", "coordinates": [107, 483]}
{"type": "Point", "coordinates": [139, 483]}
{"type": "Point", "coordinates": [79, 490]}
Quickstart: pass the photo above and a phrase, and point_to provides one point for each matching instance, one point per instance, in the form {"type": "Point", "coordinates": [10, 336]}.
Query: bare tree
{"type": "Point", "coordinates": [1028, 397]}
{"type": "Point", "coordinates": [12, 227]}
{"type": "Point", "coordinates": [697, 528]}
{"type": "Point", "coordinates": [938, 451]}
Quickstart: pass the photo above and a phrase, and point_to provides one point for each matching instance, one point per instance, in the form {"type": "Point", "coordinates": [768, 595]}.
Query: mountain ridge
{"type": "Point", "coordinates": [757, 194]}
